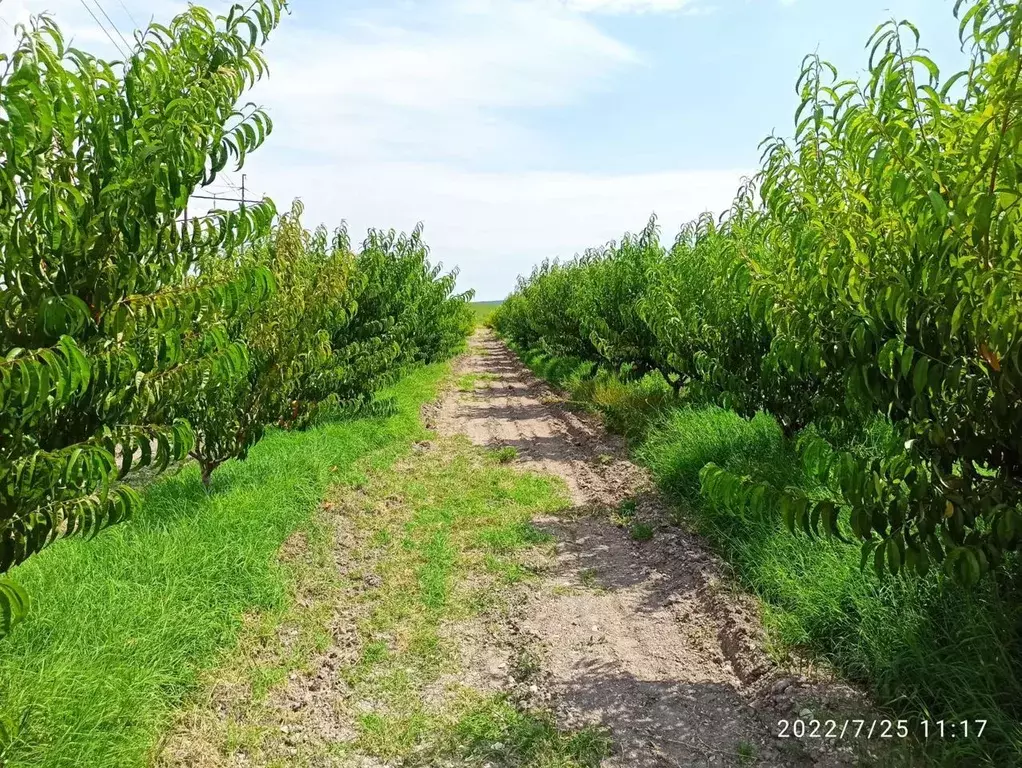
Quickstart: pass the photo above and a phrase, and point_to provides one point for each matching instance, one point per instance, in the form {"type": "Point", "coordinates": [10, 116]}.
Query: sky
{"type": "Point", "coordinates": [517, 130]}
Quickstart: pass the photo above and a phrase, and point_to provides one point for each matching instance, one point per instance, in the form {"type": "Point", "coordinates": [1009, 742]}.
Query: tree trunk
{"type": "Point", "coordinates": [675, 384]}
{"type": "Point", "coordinates": [206, 467]}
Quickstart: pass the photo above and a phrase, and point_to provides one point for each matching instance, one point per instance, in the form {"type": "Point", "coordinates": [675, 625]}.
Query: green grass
{"type": "Point", "coordinates": [483, 309]}
{"type": "Point", "coordinates": [456, 521]}
{"type": "Point", "coordinates": [485, 731]}
{"type": "Point", "coordinates": [470, 381]}
{"type": "Point", "coordinates": [641, 531]}
{"type": "Point", "coordinates": [495, 732]}
{"type": "Point", "coordinates": [628, 409]}
{"type": "Point", "coordinates": [123, 626]}
{"type": "Point", "coordinates": [429, 543]}
{"type": "Point", "coordinates": [746, 753]}
{"type": "Point", "coordinates": [925, 649]}
{"type": "Point", "coordinates": [505, 455]}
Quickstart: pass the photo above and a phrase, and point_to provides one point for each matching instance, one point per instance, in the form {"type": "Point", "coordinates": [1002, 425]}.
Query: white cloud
{"type": "Point", "coordinates": [412, 111]}
{"type": "Point", "coordinates": [495, 226]}
{"type": "Point", "coordinates": [442, 88]}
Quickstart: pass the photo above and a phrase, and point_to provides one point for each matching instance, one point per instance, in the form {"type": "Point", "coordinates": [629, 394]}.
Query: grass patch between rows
{"type": "Point", "coordinates": [451, 526]}
{"type": "Point", "coordinates": [389, 580]}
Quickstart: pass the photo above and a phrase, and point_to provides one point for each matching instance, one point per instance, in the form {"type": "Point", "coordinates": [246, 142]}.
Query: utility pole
{"type": "Point", "coordinates": [243, 177]}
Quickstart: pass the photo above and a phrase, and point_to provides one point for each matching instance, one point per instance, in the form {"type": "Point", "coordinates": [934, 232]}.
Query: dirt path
{"type": "Point", "coordinates": [432, 625]}
{"type": "Point", "coordinates": [642, 637]}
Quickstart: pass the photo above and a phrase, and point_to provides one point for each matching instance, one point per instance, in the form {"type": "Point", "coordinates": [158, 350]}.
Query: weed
{"type": "Point", "coordinates": [498, 731]}
{"type": "Point", "coordinates": [525, 664]}
{"type": "Point", "coordinates": [746, 753]}
{"type": "Point", "coordinates": [509, 572]}
{"type": "Point", "coordinates": [624, 516]}
{"type": "Point", "coordinates": [505, 455]}
{"type": "Point", "coordinates": [469, 382]}
{"type": "Point", "coordinates": [375, 652]}
{"type": "Point", "coordinates": [641, 531]}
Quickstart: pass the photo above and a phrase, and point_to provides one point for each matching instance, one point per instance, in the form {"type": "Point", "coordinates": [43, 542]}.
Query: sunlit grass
{"type": "Point", "coordinates": [456, 522]}
{"type": "Point", "coordinates": [123, 625]}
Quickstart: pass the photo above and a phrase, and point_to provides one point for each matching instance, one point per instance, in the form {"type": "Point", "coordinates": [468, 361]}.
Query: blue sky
{"type": "Point", "coordinates": [521, 129]}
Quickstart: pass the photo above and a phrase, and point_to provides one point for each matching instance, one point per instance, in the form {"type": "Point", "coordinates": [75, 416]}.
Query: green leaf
{"type": "Point", "coordinates": [919, 375]}
{"type": "Point", "coordinates": [14, 605]}
{"type": "Point", "coordinates": [938, 204]}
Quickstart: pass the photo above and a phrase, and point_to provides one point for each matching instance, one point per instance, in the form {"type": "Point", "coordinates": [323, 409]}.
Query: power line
{"type": "Point", "coordinates": [210, 214]}
{"type": "Point", "coordinates": [100, 24]}
{"type": "Point", "coordinates": [229, 181]}
{"type": "Point", "coordinates": [107, 17]}
{"type": "Point", "coordinates": [218, 198]}
{"type": "Point", "coordinates": [121, 3]}
{"type": "Point", "coordinates": [246, 197]}
{"type": "Point", "coordinates": [216, 189]}
{"type": "Point", "coordinates": [246, 200]}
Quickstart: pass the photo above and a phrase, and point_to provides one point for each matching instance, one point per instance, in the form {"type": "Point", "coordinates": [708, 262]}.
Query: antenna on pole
{"type": "Point", "coordinates": [243, 177]}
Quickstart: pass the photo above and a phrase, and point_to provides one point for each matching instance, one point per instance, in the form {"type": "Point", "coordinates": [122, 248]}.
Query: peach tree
{"type": "Point", "coordinates": [895, 284]}
{"type": "Point", "coordinates": [107, 326]}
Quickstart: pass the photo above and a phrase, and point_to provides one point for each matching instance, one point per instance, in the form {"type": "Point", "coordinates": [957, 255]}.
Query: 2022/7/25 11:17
{"type": "Point", "coordinates": [879, 729]}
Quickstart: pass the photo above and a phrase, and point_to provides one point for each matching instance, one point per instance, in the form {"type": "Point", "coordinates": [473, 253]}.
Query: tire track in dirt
{"type": "Point", "coordinates": [642, 637]}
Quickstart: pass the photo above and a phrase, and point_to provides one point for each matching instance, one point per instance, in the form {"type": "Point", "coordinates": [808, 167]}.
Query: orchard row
{"type": "Point", "coordinates": [871, 270]}
{"type": "Point", "coordinates": [132, 337]}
